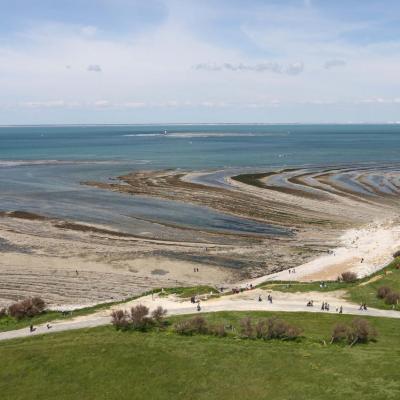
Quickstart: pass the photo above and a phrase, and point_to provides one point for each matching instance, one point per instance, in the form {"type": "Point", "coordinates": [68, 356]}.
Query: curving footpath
{"type": "Point", "coordinates": [246, 301]}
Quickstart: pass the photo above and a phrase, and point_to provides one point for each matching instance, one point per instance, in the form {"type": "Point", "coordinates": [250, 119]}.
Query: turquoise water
{"type": "Point", "coordinates": [41, 167]}
{"type": "Point", "coordinates": [195, 146]}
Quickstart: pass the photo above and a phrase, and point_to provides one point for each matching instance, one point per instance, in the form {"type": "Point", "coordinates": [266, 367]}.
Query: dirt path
{"type": "Point", "coordinates": [246, 301]}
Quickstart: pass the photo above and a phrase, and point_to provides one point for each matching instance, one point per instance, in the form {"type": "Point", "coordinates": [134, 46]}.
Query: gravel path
{"type": "Point", "coordinates": [246, 301]}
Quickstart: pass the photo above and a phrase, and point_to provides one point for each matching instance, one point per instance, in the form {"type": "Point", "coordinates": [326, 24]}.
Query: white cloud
{"type": "Point", "coordinates": [164, 68]}
{"type": "Point", "coordinates": [289, 69]}
{"type": "Point", "coordinates": [334, 63]}
{"type": "Point", "coordinates": [94, 68]}
{"type": "Point", "coordinates": [89, 30]}
{"type": "Point", "coordinates": [102, 103]}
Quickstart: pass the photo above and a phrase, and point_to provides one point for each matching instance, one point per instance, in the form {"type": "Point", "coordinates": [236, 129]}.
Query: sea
{"type": "Point", "coordinates": [42, 167]}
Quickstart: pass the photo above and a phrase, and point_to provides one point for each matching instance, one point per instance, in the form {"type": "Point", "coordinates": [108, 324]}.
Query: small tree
{"type": "Point", "coordinates": [279, 329]}
{"type": "Point", "coordinates": [158, 315]}
{"type": "Point", "coordinates": [348, 276]}
{"type": "Point", "coordinates": [3, 312]}
{"type": "Point", "coordinates": [38, 304]}
{"type": "Point", "coordinates": [339, 333]}
{"type": "Point", "coordinates": [383, 291]}
{"type": "Point", "coordinates": [360, 331]}
{"type": "Point", "coordinates": [139, 317]}
{"type": "Point", "coordinates": [120, 319]}
{"type": "Point", "coordinates": [27, 308]}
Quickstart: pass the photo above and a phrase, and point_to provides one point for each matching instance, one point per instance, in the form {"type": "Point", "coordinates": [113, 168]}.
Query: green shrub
{"type": "Point", "coordinates": [392, 298]}
{"type": "Point", "coordinates": [361, 332]}
{"type": "Point", "coordinates": [218, 330]}
{"type": "Point", "coordinates": [340, 332]}
{"type": "Point", "coordinates": [120, 319]}
{"type": "Point", "coordinates": [27, 308]}
{"type": "Point", "coordinates": [190, 326]}
{"type": "Point", "coordinates": [246, 328]}
{"type": "Point", "coordinates": [383, 291]}
{"type": "Point", "coordinates": [279, 329]}
{"type": "Point", "coordinates": [158, 315]}
{"type": "Point", "coordinates": [348, 276]}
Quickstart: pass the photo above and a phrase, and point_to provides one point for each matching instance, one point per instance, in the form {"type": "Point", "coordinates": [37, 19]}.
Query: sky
{"type": "Point", "coordinates": [192, 61]}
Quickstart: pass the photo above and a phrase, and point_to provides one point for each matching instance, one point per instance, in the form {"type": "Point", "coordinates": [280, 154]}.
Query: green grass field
{"type": "Point", "coordinates": [103, 363]}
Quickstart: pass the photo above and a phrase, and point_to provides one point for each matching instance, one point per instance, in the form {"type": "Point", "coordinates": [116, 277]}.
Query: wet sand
{"type": "Point", "coordinates": [73, 264]}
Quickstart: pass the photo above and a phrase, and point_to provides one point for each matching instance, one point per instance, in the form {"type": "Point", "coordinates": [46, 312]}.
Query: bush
{"type": "Point", "coordinates": [139, 317]}
{"type": "Point", "coordinates": [199, 325]}
{"type": "Point", "coordinates": [261, 329]}
{"type": "Point", "coordinates": [348, 276]}
{"type": "Point", "coordinates": [396, 254]}
{"type": "Point", "coordinates": [279, 329]}
{"type": "Point", "coordinates": [392, 298]}
{"type": "Point", "coordinates": [246, 328]}
{"type": "Point", "coordinates": [120, 319]}
{"type": "Point", "coordinates": [183, 327]}
{"type": "Point", "coordinates": [361, 332]}
{"type": "Point", "coordinates": [218, 330]}
{"type": "Point", "coordinates": [3, 312]}
{"type": "Point", "coordinates": [158, 315]}
{"type": "Point", "coordinates": [339, 333]}
{"type": "Point", "coordinates": [27, 308]}
{"type": "Point", "coordinates": [383, 291]}
{"type": "Point", "coordinates": [190, 326]}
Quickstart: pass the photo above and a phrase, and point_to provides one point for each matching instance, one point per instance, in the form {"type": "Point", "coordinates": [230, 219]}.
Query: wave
{"type": "Point", "coordinates": [208, 134]}
{"type": "Point", "coordinates": [144, 134]}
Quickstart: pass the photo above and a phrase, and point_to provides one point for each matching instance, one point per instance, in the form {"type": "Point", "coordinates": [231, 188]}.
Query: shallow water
{"type": "Point", "coordinates": [41, 167]}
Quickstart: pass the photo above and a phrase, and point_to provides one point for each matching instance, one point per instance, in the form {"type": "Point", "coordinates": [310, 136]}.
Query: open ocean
{"type": "Point", "coordinates": [41, 167]}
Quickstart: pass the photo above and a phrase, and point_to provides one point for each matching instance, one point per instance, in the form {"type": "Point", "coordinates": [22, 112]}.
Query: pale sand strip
{"type": "Point", "coordinates": [363, 251]}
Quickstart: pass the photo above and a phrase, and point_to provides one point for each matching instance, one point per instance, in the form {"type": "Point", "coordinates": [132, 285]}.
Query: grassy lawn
{"type": "Point", "coordinates": [103, 363]}
{"type": "Point", "coordinates": [293, 287]}
{"type": "Point", "coordinates": [366, 290]}
{"type": "Point", "coordinates": [186, 292]}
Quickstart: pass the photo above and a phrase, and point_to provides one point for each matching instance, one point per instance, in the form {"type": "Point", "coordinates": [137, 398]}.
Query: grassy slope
{"type": "Point", "coordinates": [102, 363]}
{"type": "Point", "coordinates": [362, 291]}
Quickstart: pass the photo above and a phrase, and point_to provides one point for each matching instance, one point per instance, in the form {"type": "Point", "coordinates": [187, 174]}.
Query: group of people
{"type": "Point", "coordinates": [195, 269]}
{"type": "Point", "coordinates": [241, 289]}
{"type": "Point", "coordinates": [292, 271]}
{"type": "Point", "coordinates": [269, 298]}
{"type": "Point", "coordinates": [32, 329]}
{"type": "Point", "coordinates": [363, 307]}
{"type": "Point", "coordinates": [325, 306]}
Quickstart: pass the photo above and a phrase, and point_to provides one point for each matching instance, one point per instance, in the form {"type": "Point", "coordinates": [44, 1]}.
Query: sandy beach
{"type": "Point", "coordinates": [328, 224]}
